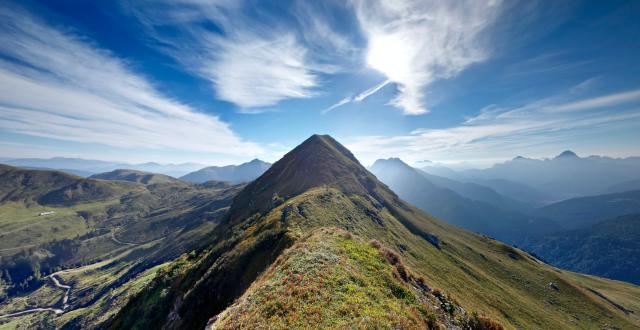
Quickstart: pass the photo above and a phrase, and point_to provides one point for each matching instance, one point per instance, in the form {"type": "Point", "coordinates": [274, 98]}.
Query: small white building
{"type": "Point", "coordinates": [46, 213]}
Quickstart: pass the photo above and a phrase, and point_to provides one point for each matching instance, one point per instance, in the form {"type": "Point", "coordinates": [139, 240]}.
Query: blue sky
{"type": "Point", "coordinates": [224, 81]}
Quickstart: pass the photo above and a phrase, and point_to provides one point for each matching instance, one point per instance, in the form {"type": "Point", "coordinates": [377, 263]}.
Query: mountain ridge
{"type": "Point", "coordinates": [486, 275]}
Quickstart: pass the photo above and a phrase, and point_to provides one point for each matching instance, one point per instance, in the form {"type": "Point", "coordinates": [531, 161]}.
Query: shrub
{"type": "Point", "coordinates": [477, 322]}
{"type": "Point", "coordinates": [375, 244]}
{"type": "Point", "coordinates": [392, 257]}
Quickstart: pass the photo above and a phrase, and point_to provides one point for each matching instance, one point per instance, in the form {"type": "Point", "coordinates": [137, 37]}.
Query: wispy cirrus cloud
{"type": "Point", "coordinates": [553, 122]}
{"type": "Point", "coordinates": [55, 84]}
{"type": "Point", "coordinates": [414, 43]}
{"type": "Point", "coordinates": [358, 98]}
{"type": "Point", "coordinates": [252, 62]}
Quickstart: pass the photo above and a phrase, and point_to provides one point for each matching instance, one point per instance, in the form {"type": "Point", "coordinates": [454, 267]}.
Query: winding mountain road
{"type": "Point", "coordinates": [115, 239]}
{"type": "Point", "coordinates": [67, 289]}
{"type": "Point", "coordinates": [57, 311]}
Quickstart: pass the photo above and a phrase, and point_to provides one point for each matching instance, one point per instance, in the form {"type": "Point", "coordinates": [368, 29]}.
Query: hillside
{"type": "Point", "coordinates": [135, 176]}
{"type": "Point", "coordinates": [586, 211]}
{"type": "Point", "coordinates": [609, 249]}
{"type": "Point", "coordinates": [104, 246]}
{"type": "Point", "coordinates": [56, 188]}
{"type": "Point", "coordinates": [478, 216]}
{"type": "Point", "coordinates": [232, 173]}
{"type": "Point", "coordinates": [318, 220]}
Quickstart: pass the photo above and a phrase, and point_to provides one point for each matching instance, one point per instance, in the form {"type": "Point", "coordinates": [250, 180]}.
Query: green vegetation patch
{"type": "Point", "coordinates": [332, 279]}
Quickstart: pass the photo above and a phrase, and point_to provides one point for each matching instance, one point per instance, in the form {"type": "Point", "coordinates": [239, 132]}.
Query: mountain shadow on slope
{"type": "Point", "coordinates": [608, 248]}
{"type": "Point", "coordinates": [583, 212]}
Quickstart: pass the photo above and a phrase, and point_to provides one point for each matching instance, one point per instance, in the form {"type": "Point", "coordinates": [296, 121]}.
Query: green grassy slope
{"type": "Point", "coordinates": [320, 184]}
{"type": "Point", "coordinates": [135, 176]}
{"type": "Point", "coordinates": [326, 279]}
{"type": "Point", "coordinates": [56, 188]}
{"type": "Point", "coordinates": [133, 230]}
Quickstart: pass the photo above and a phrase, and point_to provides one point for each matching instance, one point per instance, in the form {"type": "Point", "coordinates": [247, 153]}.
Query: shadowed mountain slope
{"type": "Point", "coordinates": [623, 187]}
{"type": "Point", "coordinates": [319, 220]}
{"type": "Point", "coordinates": [584, 212]}
{"type": "Point", "coordinates": [609, 248]}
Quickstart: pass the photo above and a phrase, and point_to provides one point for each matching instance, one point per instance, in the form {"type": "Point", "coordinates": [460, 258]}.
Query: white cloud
{"type": "Point", "coordinates": [506, 132]}
{"type": "Point", "coordinates": [416, 42]}
{"type": "Point", "coordinates": [251, 62]}
{"type": "Point", "coordinates": [57, 85]}
{"type": "Point", "coordinates": [253, 71]}
{"type": "Point", "coordinates": [599, 102]}
{"type": "Point", "coordinates": [358, 98]}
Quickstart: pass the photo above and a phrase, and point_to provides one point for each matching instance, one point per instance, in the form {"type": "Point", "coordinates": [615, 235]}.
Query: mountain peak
{"type": "Point", "coordinates": [567, 154]}
{"type": "Point", "coordinates": [389, 162]}
{"type": "Point", "coordinates": [255, 161]}
{"type": "Point", "coordinates": [319, 161]}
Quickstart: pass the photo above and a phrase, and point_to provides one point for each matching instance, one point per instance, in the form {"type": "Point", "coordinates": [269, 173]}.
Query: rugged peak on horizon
{"type": "Point", "coordinates": [391, 161]}
{"type": "Point", "coordinates": [256, 161]}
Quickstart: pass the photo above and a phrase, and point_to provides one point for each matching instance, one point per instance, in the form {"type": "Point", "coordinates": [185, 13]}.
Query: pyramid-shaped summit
{"type": "Point", "coordinates": [567, 154]}
{"type": "Point", "coordinates": [320, 161]}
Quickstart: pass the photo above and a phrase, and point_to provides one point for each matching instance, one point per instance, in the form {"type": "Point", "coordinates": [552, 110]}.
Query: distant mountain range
{"type": "Point", "coordinates": [470, 206]}
{"type": "Point", "coordinates": [88, 167]}
{"type": "Point", "coordinates": [232, 173]}
{"type": "Point", "coordinates": [564, 176]}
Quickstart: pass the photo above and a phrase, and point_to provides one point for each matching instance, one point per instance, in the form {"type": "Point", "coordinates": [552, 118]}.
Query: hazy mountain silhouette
{"type": "Point", "coordinates": [416, 188]}
{"type": "Point", "coordinates": [479, 192]}
{"type": "Point", "coordinates": [564, 176]}
{"type": "Point", "coordinates": [232, 173]}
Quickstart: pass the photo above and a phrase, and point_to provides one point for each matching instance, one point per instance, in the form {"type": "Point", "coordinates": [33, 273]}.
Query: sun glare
{"type": "Point", "coordinates": [390, 54]}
